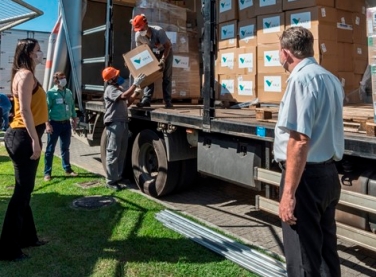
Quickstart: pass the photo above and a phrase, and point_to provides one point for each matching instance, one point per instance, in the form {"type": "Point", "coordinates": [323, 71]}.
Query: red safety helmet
{"type": "Point", "coordinates": [109, 73]}
{"type": "Point", "coordinates": [138, 22]}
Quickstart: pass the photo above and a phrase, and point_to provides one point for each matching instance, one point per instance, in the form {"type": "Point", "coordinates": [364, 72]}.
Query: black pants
{"type": "Point", "coordinates": [311, 245]}
{"type": "Point", "coordinates": [19, 228]}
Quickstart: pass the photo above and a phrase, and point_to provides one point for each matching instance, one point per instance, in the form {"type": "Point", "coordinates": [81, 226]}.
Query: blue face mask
{"type": "Point", "coordinates": [120, 80]}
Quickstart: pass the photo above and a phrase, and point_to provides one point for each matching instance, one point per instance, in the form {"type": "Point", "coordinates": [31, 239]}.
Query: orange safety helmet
{"type": "Point", "coordinates": [109, 73]}
{"type": "Point", "coordinates": [138, 22]}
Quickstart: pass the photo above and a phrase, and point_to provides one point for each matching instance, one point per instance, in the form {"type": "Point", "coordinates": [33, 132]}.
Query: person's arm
{"type": "Point", "coordinates": [73, 113]}
{"type": "Point", "coordinates": [49, 128]}
{"type": "Point", "coordinates": [129, 93]}
{"type": "Point", "coordinates": [25, 83]}
{"type": "Point", "coordinates": [297, 152]}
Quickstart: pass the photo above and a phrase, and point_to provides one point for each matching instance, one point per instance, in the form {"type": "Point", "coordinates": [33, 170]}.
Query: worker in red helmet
{"type": "Point", "coordinates": [116, 98]}
{"type": "Point", "coordinates": [155, 37]}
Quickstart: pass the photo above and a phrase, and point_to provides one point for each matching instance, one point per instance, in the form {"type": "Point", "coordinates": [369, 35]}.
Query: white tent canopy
{"type": "Point", "coordinates": [14, 12]}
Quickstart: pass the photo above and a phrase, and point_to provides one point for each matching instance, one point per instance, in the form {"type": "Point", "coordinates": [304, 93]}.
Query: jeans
{"type": "Point", "coordinates": [5, 118]}
{"type": "Point", "coordinates": [117, 145]}
{"type": "Point", "coordinates": [166, 83]}
{"type": "Point", "coordinates": [311, 245]}
{"type": "Point", "coordinates": [19, 228]}
{"type": "Point", "coordinates": [63, 131]}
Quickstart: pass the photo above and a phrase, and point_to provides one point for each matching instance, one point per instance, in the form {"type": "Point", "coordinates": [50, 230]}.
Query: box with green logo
{"type": "Point", "coordinates": [271, 87]}
{"type": "Point", "coordinates": [228, 34]}
{"type": "Point", "coordinates": [268, 59]}
{"type": "Point", "coordinates": [227, 10]}
{"type": "Point", "coordinates": [246, 88]}
{"type": "Point", "coordinates": [267, 6]}
{"type": "Point", "coordinates": [247, 31]}
{"type": "Point", "coordinates": [142, 60]}
{"type": "Point", "coordinates": [299, 4]}
{"type": "Point", "coordinates": [321, 21]}
{"type": "Point", "coordinates": [270, 27]}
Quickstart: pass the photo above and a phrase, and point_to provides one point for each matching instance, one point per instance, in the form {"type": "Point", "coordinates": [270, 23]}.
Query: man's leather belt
{"type": "Point", "coordinates": [282, 164]}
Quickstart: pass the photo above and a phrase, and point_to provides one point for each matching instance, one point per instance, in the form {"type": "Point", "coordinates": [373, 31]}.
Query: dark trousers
{"type": "Point", "coordinates": [311, 245]}
{"type": "Point", "coordinates": [166, 82]}
{"type": "Point", "coordinates": [62, 130]}
{"type": "Point", "coordinates": [19, 228]}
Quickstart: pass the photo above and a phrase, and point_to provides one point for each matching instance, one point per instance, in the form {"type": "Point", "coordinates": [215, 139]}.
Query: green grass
{"type": "Point", "coordinates": [124, 239]}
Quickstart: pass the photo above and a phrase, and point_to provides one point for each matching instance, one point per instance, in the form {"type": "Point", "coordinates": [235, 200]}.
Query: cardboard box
{"type": "Point", "coordinates": [142, 60]}
{"type": "Point", "coordinates": [326, 54]}
{"type": "Point", "coordinates": [271, 87]}
{"type": "Point", "coordinates": [246, 60]}
{"type": "Point", "coordinates": [227, 10]}
{"type": "Point", "coordinates": [270, 27]}
{"type": "Point", "coordinates": [299, 4]}
{"type": "Point", "coordinates": [347, 81]}
{"type": "Point", "coordinates": [247, 32]}
{"type": "Point", "coordinates": [344, 26]}
{"type": "Point", "coordinates": [360, 58]}
{"type": "Point", "coordinates": [246, 88]}
{"type": "Point", "coordinates": [227, 87]}
{"type": "Point", "coordinates": [267, 6]}
{"type": "Point", "coordinates": [345, 57]}
{"type": "Point", "coordinates": [268, 59]}
{"type": "Point", "coordinates": [247, 9]}
{"type": "Point", "coordinates": [226, 60]}
{"type": "Point", "coordinates": [358, 6]}
{"type": "Point", "coordinates": [321, 21]}
{"type": "Point", "coordinates": [228, 34]}
{"type": "Point", "coordinates": [359, 28]}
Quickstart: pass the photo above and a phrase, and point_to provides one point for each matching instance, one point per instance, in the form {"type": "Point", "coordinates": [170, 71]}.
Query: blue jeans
{"type": "Point", "coordinates": [166, 83]}
{"type": "Point", "coordinates": [63, 131]}
{"type": "Point", "coordinates": [5, 115]}
{"type": "Point", "coordinates": [117, 144]}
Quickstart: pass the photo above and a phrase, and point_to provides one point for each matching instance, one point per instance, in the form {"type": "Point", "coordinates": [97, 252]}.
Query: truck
{"type": "Point", "coordinates": [168, 148]}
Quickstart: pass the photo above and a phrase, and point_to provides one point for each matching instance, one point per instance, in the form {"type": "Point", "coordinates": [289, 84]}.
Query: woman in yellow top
{"type": "Point", "coordinates": [24, 146]}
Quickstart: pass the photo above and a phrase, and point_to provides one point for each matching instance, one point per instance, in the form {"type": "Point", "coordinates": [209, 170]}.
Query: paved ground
{"type": "Point", "coordinates": [231, 209]}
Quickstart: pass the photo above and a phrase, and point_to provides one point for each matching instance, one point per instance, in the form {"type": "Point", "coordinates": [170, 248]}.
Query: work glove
{"type": "Point", "coordinates": [138, 91]}
{"type": "Point", "coordinates": [161, 64]}
{"type": "Point", "coordinates": [139, 79]}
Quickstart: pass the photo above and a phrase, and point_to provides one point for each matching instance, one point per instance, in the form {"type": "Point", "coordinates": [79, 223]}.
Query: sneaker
{"type": "Point", "coordinates": [143, 104]}
{"type": "Point", "coordinates": [169, 105]}
{"type": "Point", "coordinates": [71, 173]}
{"type": "Point", "coordinates": [47, 178]}
{"type": "Point", "coordinates": [115, 186]}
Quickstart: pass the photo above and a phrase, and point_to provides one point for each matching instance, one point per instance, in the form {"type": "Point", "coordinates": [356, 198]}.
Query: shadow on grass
{"type": "Point", "coordinates": [81, 242]}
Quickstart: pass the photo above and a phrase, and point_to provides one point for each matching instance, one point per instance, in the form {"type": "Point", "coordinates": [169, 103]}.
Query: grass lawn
{"type": "Point", "coordinates": [123, 239]}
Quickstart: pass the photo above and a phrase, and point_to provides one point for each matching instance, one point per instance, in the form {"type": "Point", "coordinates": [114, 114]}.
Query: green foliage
{"type": "Point", "coordinates": [123, 239]}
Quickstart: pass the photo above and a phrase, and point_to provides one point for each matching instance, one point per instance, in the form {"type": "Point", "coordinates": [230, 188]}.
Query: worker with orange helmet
{"type": "Point", "coordinates": [116, 99]}
{"type": "Point", "coordinates": [156, 38]}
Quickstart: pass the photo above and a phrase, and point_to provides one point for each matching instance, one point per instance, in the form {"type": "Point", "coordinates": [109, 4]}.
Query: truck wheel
{"type": "Point", "coordinates": [152, 172]}
{"type": "Point", "coordinates": [103, 148]}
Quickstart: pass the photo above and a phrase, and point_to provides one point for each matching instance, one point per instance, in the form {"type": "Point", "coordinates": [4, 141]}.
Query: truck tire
{"type": "Point", "coordinates": [153, 173]}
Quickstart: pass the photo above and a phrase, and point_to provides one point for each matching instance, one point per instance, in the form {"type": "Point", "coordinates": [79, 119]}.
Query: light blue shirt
{"type": "Point", "coordinates": [312, 105]}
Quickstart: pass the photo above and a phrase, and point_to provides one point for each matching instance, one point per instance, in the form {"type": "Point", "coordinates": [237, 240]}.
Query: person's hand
{"type": "Point", "coordinates": [74, 123]}
{"type": "Point", "coordinates": [139, 79]}
{"type": "Point", "coordinates": [36, 150]}
{"type": "Point", "coordinates": [286, 209]}
{"type": "Point", "coordinates": [49, 129]}
{"type": "Point", "coordinates": [162, 64]}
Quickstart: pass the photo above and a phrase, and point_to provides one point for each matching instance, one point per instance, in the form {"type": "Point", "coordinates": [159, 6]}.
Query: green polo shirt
{"type": "Point", "coordinates": [60, 104]}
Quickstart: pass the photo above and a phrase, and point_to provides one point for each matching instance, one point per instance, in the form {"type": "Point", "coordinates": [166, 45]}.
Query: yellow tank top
{"type": "Point", "coordinates": [38, 109]}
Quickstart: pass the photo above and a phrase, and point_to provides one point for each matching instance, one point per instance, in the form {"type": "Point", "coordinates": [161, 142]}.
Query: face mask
{"type": "Point", "coordinates": [63, 82]}
{"type": "Point", "coordinates": [39, 58]}
{"type": "Point", "coordinates": [143, 33]}
{"type": "Point", "coordinates": [120, 80]}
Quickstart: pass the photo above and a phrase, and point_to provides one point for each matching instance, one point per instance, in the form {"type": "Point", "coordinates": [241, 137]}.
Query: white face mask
{"type": "Point", "coordinates": [143, 33]}
{"type": "Point", "coordinates": [39, 58]}
{"type": "Point", "coordinates": [63, 82]}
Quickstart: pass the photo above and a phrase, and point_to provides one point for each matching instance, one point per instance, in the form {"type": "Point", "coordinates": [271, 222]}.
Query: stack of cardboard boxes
{"type": "Point", "coordinates": [253, 28]}
{"type": "Point", "coordinates": [180, 26]}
